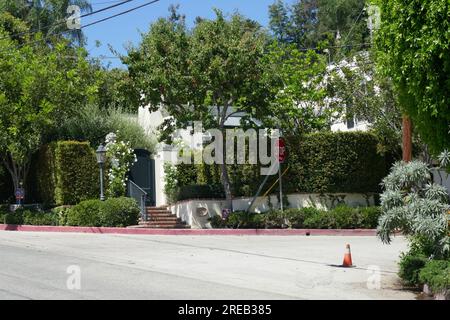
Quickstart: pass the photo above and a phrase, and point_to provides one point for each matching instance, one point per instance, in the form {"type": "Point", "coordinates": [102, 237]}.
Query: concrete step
{"type": "Point", "coordinates": [151, 226]}
{"type": "Point", "coordinates": [164, 220]}
{"type": "Point", "coordinates": [158, 212]}
{"type": "Point", "coordinates": [160, 227]}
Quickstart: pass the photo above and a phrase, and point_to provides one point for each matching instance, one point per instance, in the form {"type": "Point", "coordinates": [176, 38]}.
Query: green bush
{"type": "Point", "coordinates": [369, 217]}
{"type": "Point", "coordinates": [85, 214]}
{"type": "Point", "coordinates": [200, 192]}
{"type": "Point", "coordinates": [29, 217]}
{"type": "Point", "coordinates": [410, 265]}
{"type": "Point", "coordinates": [342, 217]}
{"type": "Point", "coordinates": [114, 212]}
{"type": "Point", "coordinates": [119, 212]}
{"type": "Point", "coordinates": [436, 274]}
{"type": "Point", "coordinates": [36, 218]}
{"type": "Point", "coordinates": [66, 173]}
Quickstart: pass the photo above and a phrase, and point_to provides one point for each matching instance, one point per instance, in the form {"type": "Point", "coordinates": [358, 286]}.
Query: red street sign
{"type": "Point", "coordinates": [282, 152]}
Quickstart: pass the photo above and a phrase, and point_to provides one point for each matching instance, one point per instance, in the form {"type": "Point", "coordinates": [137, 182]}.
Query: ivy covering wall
{"type": "Point", "coordinates": [342, 162]}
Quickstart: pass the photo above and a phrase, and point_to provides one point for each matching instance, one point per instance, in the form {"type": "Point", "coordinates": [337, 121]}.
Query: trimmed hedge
{"type": "Point", "coordinates": [114, 212]}
{"type": "Point", "coordinates": [342, 217]}
{"type": "Point", "coordinates": [335, 162]}
{"type": "Point", "coordinates": [29, 217]}
{"type": "Point", "coordinates": [66, 172]}
{"type": "Point", "coordinates": [325, 162]}
{"type": "Point", "coordinates": [200, 192]}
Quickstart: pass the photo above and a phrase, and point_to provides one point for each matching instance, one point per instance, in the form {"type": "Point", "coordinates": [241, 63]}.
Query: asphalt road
{"type": "Point", "coordinates": [88, 266]}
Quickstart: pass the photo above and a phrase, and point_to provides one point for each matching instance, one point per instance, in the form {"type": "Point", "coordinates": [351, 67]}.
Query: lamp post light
{"type": "Point", "coordinates": [101, 159]}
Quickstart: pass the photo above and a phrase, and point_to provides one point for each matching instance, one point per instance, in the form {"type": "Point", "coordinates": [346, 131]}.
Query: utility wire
{"type": "Point", "coordinates": [63, 22]}
{"type": "Point", "coordinates": [85, 26]}
{"type": "Point", "coordinates": [120, 14]}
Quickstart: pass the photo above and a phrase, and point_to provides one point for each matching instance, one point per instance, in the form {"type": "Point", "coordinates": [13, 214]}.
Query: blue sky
{"type": "Point", "coordinates": [120, 31]}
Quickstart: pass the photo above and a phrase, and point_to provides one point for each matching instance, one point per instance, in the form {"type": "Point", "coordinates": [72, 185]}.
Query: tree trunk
{"type": "Point", "coordinates": [224, 173]}
{"type": "Point", "coordinates": [407, 138]}
{"type": "Point", "coordinates": [18, 172]}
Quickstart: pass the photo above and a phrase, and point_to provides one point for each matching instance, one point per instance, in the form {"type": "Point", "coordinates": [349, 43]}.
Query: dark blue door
{"type": "Point", "coordinates": [143, 174]}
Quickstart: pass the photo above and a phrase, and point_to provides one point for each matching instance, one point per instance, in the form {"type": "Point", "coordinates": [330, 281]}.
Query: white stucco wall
{"type": "Point", "coordinates": [341, 126]}
{"type": "Point", "coordinates": [193, 211]}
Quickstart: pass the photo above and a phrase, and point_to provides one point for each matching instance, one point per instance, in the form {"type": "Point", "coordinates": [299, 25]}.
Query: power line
{"type": "Point", "coordinates": [63, 22]}
{"type": "Point", "coordinates": [120, 14]}
{"type": "Point", "coordinates": [90, 24]}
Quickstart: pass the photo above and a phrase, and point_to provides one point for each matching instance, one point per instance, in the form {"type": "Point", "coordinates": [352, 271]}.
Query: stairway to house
{"type": "Point", "coordinates": [162, 218]}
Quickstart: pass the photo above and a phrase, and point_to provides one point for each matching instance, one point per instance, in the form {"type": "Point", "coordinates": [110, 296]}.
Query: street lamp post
{"type": "Point", "coordinates": [101, 159]}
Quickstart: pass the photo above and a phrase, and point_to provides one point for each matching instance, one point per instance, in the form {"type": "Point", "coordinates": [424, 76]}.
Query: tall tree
{"type": "Point", "coordinates": [295, 79]}
{"type": "Point", "coordinates": [38, 86]}
{"type": "Point", "coordinates": [413, 49]}
{"type": "Point", "coordinates": [217, 64]}
{"type": "Point", "coordinates": [341, 25]}
{"type": "Point", "coordinates": [47, 16]}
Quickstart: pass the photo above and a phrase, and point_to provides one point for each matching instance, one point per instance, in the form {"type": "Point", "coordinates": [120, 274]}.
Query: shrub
{"type": "Point", "coordinates": [200, 192]}
{"type": "Point", "coordinates": [119, 212]}
{"type": "Point", "coordinates": [413, 204]}
{"type": "Point", "coordinates": [128, 129]}
{"type": "Point", "coordinates": [36, 218]}
{"type": "Point", "coordinates": [342, 217]}
{"type": "Point", "coordinates": [85, 214]}
{"type": "Point", "coordinates": [29, 217]}
{"type": "Point", "coordinates": [61, 213]}
{"type": "Point", "coordinates": [410, 265]}
{"type": "Point", "coordinates": [91, 123]}
{"type": "Point", "coordinates": [114, 212]}
{"type": "Point", "coordinates": [436, 274]}
{"type": "Point", "coordinates": [13, 218]}
{"type": "Point", "coordinates": [66, 173]}
{"type": "Point", "coordinates": [369, 217]}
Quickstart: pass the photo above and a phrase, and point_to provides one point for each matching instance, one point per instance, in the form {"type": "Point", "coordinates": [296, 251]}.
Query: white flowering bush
{"type": "Point", "coordinates": [121, 157]}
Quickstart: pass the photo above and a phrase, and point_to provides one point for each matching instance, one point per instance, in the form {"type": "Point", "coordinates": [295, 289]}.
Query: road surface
{"type": "Point", "coordinates": [92, 266]}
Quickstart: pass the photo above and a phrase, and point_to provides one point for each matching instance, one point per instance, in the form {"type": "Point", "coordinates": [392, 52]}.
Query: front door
{"type": "Point", "coordinates": [143, 174]}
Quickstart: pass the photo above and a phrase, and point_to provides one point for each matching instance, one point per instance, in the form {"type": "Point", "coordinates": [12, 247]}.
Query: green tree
{"type": "Point", "coordinates": [413, 49]}
{"type": "Point", "coordinates": [46, 16]}
{"type": "Point", "coordinates": [117, 90]}
{"type": "Point", "coordinates": [39, 86]}
{"type": "Point", "coordinates": [342, 25]}
{"type": "Point", "coordinates": [295, 79]}
{"type": "Point", "coordinates": [204, 74]}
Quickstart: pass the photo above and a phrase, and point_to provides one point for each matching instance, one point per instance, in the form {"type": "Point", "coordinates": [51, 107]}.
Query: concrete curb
{"type": "Point", "coordinates": [193, 232]}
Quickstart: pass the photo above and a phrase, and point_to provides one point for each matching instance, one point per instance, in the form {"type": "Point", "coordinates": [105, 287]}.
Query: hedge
{"type": "Point", "coordinates": [65, 173]}
{"type": "Point", "coordinates": [214, 191]}
{"type": "Point", "coordinates": [342, 217]}
{"type": "Point", "coordinates": [29, 217]}
{"type": "Point", "coordinates": [114, 212]}
{"type": "Point", "coordinates": [335, 162]}
{"type": "Point", "coordinates": [6, 185]}
{"type": "Point", "coordinates": [325, 162]}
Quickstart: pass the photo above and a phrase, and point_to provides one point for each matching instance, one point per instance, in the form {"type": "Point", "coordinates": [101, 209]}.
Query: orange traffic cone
{"type": "Point", "coordinates": [347, 257]}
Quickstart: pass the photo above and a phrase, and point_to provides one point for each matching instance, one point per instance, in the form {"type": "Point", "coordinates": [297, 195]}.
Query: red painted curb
{"type": "Point", "coordinates": [193, 232]}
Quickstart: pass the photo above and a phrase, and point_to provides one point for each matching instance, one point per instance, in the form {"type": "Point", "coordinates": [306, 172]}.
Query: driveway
{"type": "Point", "coordinates": [92, 266]}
